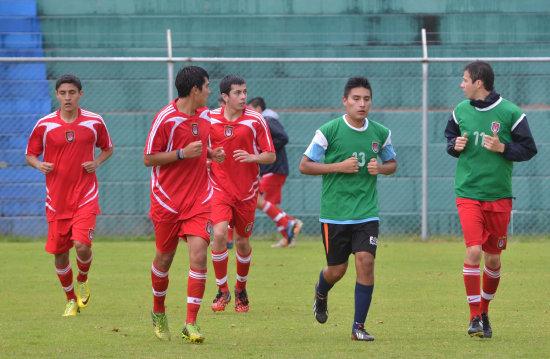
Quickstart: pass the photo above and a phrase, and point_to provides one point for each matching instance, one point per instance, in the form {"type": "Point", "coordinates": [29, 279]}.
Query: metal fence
{"type": "Point", "coordinates": [414, 97]}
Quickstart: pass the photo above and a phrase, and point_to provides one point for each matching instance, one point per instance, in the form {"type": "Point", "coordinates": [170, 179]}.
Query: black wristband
{"type": "Point", "coordinates": [179, 153]}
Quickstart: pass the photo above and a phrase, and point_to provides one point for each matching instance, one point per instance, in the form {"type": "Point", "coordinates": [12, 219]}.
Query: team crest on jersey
{"type": "Point", "coordinates": [248, 228]}
{"type": "Point", "coordinates": [69, 136]}
{"type": "Point", "coordinates": [91, 234]}
{"type": "Point", "coordinates": [375, 147]}
{"type": "Point", "coordinates": [495, 126]}
{"type": "Point", "coordinates": [374, 240]}
{"type": "Point", "coordinates": [501, 244]}
{"type": "Point", "coordinates": [228, 131]}
{"type": "Point", "coordinates": [195, 129]}
{"type": "Point", "coordinates": [209, 227]}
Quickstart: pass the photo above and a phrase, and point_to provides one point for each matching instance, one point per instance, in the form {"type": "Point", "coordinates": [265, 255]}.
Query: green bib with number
{"type": "Point", "coordinates": [482, 174]}
{"type": "Point", "coordinates": [351, 196]}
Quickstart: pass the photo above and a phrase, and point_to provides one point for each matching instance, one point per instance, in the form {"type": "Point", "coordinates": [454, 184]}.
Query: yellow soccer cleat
{"type": "Point", "coordinates": [191, 332]}
{"type": "Point", "coordinates": [160, 326]}
{"type": "Point", "coordinates": [83, 294]}
{"type": "Point", "coordinates": [71, 309]}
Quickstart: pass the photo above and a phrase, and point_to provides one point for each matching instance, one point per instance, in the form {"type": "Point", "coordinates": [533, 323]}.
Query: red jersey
{"type": "Point", "coordinates": [181, 189]}
{"type": "Point", "coordinates": [67, 145]}
{"type": "Point", "coordinates": [250, 133]}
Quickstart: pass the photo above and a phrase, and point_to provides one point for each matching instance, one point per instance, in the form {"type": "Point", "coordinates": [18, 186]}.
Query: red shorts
{"type": "Point", "coordinates": [271, 187]}
{"type": "Point", "coordinates": [167, 234]}
{"type": "Point", "coordinates": [240, 214]}
{"type": "Point", "coordinates": [485, 223]}
{"type": "Point", "coordinates": [62, 232]}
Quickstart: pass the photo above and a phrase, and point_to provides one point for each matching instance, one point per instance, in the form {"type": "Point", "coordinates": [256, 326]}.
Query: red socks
{"type": "Point", "coordinates": [195, 291]}
{"type": "Point", "coordinates": [491, 278]}
{"type": "Point", "coordinates": [278, 216]}
{"type": "Point", "coordinates": [243, 266]}
{"type": "Point", "coordinates": [66, 278]}
{"type": "Point", "coordinates": [160, 286]}
{"type": "Point", "coordinates": [83, 267]}
{"type": "Point", "coordinates": [219, 260]}
{"type": "Point", "coordinates": [472, 284]}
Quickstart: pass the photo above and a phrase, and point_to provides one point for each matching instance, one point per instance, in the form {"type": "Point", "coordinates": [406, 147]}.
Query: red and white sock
{"type": "Point", "coordinates": [195, 291]}
{"type": "Point", "coordinates": [83, 267]}
{"type": "Point", "coordinates": [491, 279]}
{"type": "Point", "coordinates": [229, 234]}
{"type": "Point", "coordinates": [65, 276]}
{"type": "Point", "coordinates": [160, 281]}
{"type": "Point", "coordinates": [278, 216]}
{"type": "Point", "coordinates": [472, 284]}
{"type": "Point", "coordinates": [243, 266]}
{"type": "Point", "coordinates": [219, 261]}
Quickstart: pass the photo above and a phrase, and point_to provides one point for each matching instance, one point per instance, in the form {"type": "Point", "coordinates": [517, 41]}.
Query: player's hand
{"type": "Point", "coordinates": [243, 156]}
{"type": "Point", "coordinates": [373, 167]}
{"type": "Point", "coordinates": [493, 143]}
{"type": "Point", "coordinates": [90, 166]}
{"type": "Point", "coordinates": [192, 150]}
{"type": "Point", "coordinates": [350, 165]}
{"type": "Point", "coordinates": [45, 167]}
{"type": "Point", "coordinates": [461, 142]}
{"type": "Point", "coordinates": [217, 154]}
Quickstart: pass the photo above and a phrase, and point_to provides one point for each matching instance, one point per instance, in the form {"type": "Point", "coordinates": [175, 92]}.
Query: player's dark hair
{"type": "Point", "coordinates": [220, 99]}
{"type": "Point", "coordinates": [68, 79]}
{"type": "Point", "coordinates": [228, 81]}
{"type": "Point", "coordinates": [480, 70]}
{"type": "Point", "coordinates": [355, 82]}
{"type": "Point", "coordinates": [189, 77]}
{"type": "Point", "coordinates": [257, 102]}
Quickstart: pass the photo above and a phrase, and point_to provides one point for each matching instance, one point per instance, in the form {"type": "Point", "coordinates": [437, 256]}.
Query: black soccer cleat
{"type": "Point", "coordinates": [360, 334]}
{"type": "Point", "coordinates": [476, 327]}
{"type": "Point", "coordinates": [320, 308]}
{"type": "Point", "coordinates": [487, 330]}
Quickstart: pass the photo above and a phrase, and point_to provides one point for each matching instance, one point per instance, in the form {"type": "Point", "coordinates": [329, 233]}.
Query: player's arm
{"type": "Point", "coordinates": [91, 166]}
{"type": "Point", "coordinates": [388, 157]}
{"type": "Point", "coordinates": [192, 150]}
{"type": "Point", "coordinates": [455, 142]}
{"type": "Point", "coordinates": [44, 167]}
{"type": "Point", "coordinates": [216, 154]}
{"type": "Point", "coordinates": [522, 147]}
{"type": "Point", "coordinates": [263, 158]}
{"type": "Point", "coordinates": [310, 167]}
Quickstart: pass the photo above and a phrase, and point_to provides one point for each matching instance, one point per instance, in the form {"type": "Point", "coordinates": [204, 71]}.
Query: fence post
{"type": "Point", "coordinates": [170, 65]}
{"type": "Point", "coordinates": [424, 136]}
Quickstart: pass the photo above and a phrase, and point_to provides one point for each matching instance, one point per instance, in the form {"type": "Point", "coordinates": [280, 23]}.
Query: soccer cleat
{"type": "Point", "coordinates": [71, 309]}
{"type": "Point", "coordinates": [320, 307]}
{"type": "Point", "coordinates": [83, 294]}
{"type": "Point", "coordinates": [476, 327]}
{"type": "Point", "coordinates": [241, 301]}
{"type": "Point", "coordinates": [160, 325]}
{"type": "Point", "coordinates": [282, 243]}
{"type": "Point", "coordinates": [220, 302]}
{"type": "Point", "coordinates": [359, 333]}
{"type": "Point", "coordinates": [487, 330]}
{"type": "Point", "coordinates": [191, 332]}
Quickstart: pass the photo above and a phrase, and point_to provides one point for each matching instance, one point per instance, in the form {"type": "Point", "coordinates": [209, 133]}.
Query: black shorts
{"type": "Point", "coordinates": [341, 240]}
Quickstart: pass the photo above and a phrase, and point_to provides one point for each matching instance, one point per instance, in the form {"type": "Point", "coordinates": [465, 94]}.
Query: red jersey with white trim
{"type": "Point", "coordinates": [68, 145]}
{"type": "Point", "coordinates": [181, 189]}
{"type": "Point", "coordinates": [250, 133]}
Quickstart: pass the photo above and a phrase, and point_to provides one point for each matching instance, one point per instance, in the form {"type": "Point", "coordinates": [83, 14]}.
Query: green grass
{"type": "Point", "coordinates": [419, 307]}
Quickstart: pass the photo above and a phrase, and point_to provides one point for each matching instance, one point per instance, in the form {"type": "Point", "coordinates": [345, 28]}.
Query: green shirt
{"type": "Point", "coordinates": [482, 174]}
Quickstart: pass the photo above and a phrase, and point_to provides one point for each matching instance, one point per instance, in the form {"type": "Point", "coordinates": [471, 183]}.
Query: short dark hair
{"type": "Point", "coordinates": [257, 102]}
{"type": "Point", "coordinates": [228, 81]}
{"type": "Point", "coordinates": [220, 99]}
{"type": "Point", "coordinates": [189, 77]}
{"type": "Point", "coordinates": [68, 79]}
{"type": "Point", "coordinates": [481, 70]}
{"type": "Point", "coordinates": [355, 82]}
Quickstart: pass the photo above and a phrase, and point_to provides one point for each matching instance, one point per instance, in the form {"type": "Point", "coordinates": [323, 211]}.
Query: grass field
{"type": "Point", "coordinates": [419, 308]}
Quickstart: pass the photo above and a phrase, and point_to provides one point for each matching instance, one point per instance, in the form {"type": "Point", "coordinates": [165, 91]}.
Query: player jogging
{"type": "Point", "coordinates": [181, 194]}
{"type": "Point", "coordinates": [67, 139]}
{"type": "Point", "coordinates": [350, 145]}
{"type": "Point", "coordinates": [487, 133]}
{"type": "Point", "coordinates": [244, 135]}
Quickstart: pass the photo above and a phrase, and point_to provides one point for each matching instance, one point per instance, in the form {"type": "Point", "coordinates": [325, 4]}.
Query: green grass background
{"type": "Point", "coordinates": [419, 309]}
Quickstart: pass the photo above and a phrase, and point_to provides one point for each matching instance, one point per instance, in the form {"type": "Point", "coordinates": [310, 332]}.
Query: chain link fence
{"type": "Point", "coordinates": [128, 93]}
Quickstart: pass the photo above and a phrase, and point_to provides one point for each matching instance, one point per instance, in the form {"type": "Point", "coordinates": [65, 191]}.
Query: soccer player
{"type": "Point", "coordinates": [487, 133]}
{"type": "Point", "coordinates": [181, 194]}
{"type": "Point", "coordinates": [67, 139]}
{"type": "Point", "coordinates": [273, 177]}
{"type": "Point", "coordinates": [244, 135]}
{"type": "Point", "coordinates": [350, 145]}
